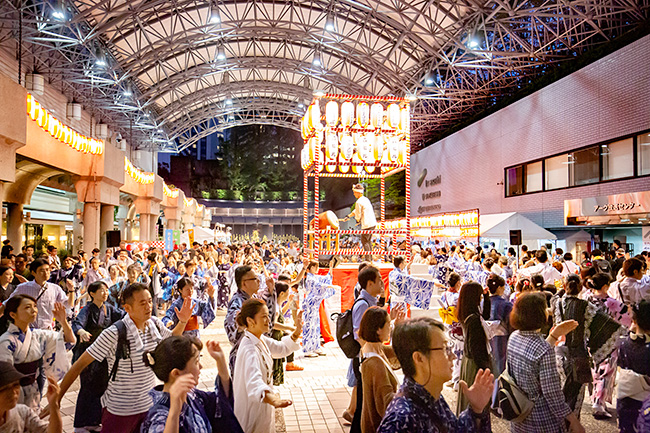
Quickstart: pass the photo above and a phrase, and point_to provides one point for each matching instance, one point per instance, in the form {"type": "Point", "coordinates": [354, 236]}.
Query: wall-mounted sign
{"type": "Point", "coordinates": [611, 209]}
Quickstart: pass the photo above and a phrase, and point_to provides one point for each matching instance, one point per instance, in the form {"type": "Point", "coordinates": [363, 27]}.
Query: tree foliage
{"type": "Point", "coordinates": [394, 195]}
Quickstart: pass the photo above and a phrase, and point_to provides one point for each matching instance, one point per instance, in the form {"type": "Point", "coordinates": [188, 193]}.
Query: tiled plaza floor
{"type": "Point", "coordinates": [319, 393]}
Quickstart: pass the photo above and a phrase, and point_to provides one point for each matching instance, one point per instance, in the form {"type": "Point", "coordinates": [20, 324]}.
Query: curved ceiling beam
{"type": "Point", "coordinates": [336, 81]}
{"type": "Point", "coordinates": [266, 108]}
{"type": "Point", "coordinates": [260, 89]}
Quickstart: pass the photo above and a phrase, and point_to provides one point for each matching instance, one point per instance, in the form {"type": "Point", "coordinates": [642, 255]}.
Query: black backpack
{"type": "Point", "coordinates": [345, 331]}
{"type": "Point", "coordinates": [603, 266]}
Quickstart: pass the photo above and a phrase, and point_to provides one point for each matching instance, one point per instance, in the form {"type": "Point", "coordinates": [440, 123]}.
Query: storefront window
{"type": "Point", "coordinates": [514, 181]}
{"type": "Point", "coordinates": [643, 153]}
{"type": "Point", "coordinates": [618, 161]}
{"type": "Point", "coordinates": [557, 172]}
{"type": "Point", "coordinates": [534, 177]}
{"type": "Point", "coordinates": [584, 166]}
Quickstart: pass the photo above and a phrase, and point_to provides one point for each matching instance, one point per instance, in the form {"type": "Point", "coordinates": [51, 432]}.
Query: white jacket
{"type": "Point", "coordinates": [254, 368]}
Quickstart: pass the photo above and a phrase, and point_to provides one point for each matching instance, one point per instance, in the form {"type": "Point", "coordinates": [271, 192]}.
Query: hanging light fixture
{"type": "Point", "coordinates": [58, 12]}
{"type": "Point", "coordinates": [221, 54]}
{"type": "Point", "coordinates": [100, 59]}
{"type": "Point", "coordinates": [215, 16]}
{"type": "Point", "coordinates": [330, 24]}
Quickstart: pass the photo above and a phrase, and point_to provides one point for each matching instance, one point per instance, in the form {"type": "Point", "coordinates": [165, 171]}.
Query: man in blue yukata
{"type": "Point", "coordinates": [426, 358]}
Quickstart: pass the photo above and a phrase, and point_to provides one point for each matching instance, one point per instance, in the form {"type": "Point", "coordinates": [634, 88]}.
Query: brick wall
{"type": "Point", "coordinates": [607, 99]}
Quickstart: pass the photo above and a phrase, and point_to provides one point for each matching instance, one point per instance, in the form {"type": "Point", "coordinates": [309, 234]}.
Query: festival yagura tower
{"type": "Point", "coordinates": [362, 137]}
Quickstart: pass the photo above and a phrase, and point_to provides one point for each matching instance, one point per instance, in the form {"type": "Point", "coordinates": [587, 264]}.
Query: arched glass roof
{"type": "Point", "coordinates": [170, 72]}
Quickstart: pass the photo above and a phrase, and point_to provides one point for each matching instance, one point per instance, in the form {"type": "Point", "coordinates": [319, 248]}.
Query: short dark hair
{"type": "Point", "coordinates": [596, 252]}
{"type": "Point", "coordinates": [412, 336]}
{"type": "Point", "coordinates": [367, 274]}
{"type": "Point", "coordinates": [398, 260]}
{"type": "Point", "coordinates": [96, 250]}
{"type": "Point", "coordinates": [453, 279]}
{"type": "Point", "coordinates": [172, 352]}
{"type": "Point", "coordinates": [132, 289]}
{"type": "Point", "coordinates": [529, 312]}
{"type": "Point", "coordinates": [512, 251]}
{"type": "Point", "coordinates": [631, 265]}
{"type": "Point", "coordinates": [641, 315]}
{"type": "Point", "coordinates": [51, 248]}
{"type": "Point", "coordinates": [568, 257]}
{"type": "Point", "coordinates": [281, 287]}
{"type": "Point", "coordinates": [183, 282]}
{"type": "Point", "coordinates": [537, 281]}
{"type": "Point", "coordinates": [152, 257]}
{"type": "Point", "coordinates": [488, 263]}
{"type": "Point", "coordinates": [559, 251]}
{"type": "Point", "coordinates": [541, 256]}
{"type": "Point", "coordinates": [240, 272]}
{"type": "Point", "coordinates": [372, 321]}
{"type": "Point", "coordinates": [33, 266]}
{"type": "Point", "coordinates": [469, 300]}
{"type": "Point", "coordinates": [494, 282]}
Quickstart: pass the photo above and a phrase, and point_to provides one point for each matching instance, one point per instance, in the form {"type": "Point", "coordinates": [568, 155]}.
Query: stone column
{"type": "Point", "coordinates": [91, 229]}
{"type": "Point", "coordinates": [145, 227]}
{"type": "Point", "coordinates": [15, 230]}
{"type": "Point", "coordinates": [106, 223]}
{"type": "Point", "coordinates": [128, 230]}
{"type": "Point", "coordinates": [173, 224]}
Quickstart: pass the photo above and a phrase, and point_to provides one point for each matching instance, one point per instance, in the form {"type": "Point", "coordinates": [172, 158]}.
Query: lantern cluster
{"type": "Point", "coordinates": [170, 191]}
{"type": "Point", "coordinates": [62, 132]}
{"type": "Point", "coordinates": [188, 202]}
{"type": "Point", "coordinates": [136, 174]}
{"type": "Point", "coordinates": [355, 136]}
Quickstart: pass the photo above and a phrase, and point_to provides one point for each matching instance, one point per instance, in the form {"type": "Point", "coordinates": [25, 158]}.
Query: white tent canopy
{"type": "Point", "coordinates": [202, 234]}
{"type": "Point", "coordinates": [498, 226]}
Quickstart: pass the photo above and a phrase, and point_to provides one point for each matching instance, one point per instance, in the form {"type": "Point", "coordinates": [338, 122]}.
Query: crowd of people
{"type": "Point", "coordinates": [127, 324]}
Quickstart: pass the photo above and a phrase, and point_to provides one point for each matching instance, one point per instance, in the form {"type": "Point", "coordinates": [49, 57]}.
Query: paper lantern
{"type": "Point", "coordinates": [402, 152]}
{"type": "Point", "coordinates": [305, 130]}
{"type": "Point", "coordinates": [344, 166]}
{"type": "Point", "coordinates": [347, 146]}
{"type": "Point", "coordinates": [364, 149]}
{"type": "Point", "coordinates": [331, 145]}
{"type": "Point", "coordinates": [376, 115]}
{"type": "Point", "coordinates": [393, 149]}
{"type": "Point", "coordinates": [314, 114]}
{"type": "Point", "coordinates": [357, 169]}
{"type": "Point", "coordinates": [313, 148]}
{"type": "Point", "coordinates": [347, 113]}
{"type": "Point", "coordinates": [393, 116]}
{"type": "Point", "coordinates": [404, 119]}
{"type": "Point", "coordinates": [332, 113]}
{"type": "Point", "coordinates": [321, 161]}
{"type": "Point", "coordinates": [330, 165]}
{"type": "Point", "coordinates": [304, 157]}
{"type": "Point", "coordinates": [363, 114]}
{"type": "Point", "coordinates": [378, 148]}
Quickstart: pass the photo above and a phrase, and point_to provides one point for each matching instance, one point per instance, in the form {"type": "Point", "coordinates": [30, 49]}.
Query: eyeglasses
{"type": "Point", "coordinates": [448, 348]}
{"type": "Point", "coordinates": [250, 279]}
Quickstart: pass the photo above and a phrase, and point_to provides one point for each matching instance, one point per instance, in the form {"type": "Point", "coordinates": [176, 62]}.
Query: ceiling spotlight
{"type": "Point", "coordinates": [319, 93]}
{"type": "Point", "coordinates": [430, 79]}
{"type": "Point", "coordinates": [330, 25]}
{"type": "Point", "coordinates": [58, 13]}
{"type": "Point", "coordinates": [221, 54]}
{"type": "Point", "coordinates": [215, 17]}
{"type": "Point", "coordinates": [316, 61]}
{"type": "Point", "coordinates": [301, 105]}
{"type": "Point", "coordinates": [160, 131]}
{"type": "Point", "coordinates": [411, 97]}
{"type": "Point", "coordinates": [100, 59]}
{"type": "Point", "coordinates": [127, 92]}
{"type": "Point", "coordinates": [231, 117]}
{"type": "Point", "coordinates": [228, 101]}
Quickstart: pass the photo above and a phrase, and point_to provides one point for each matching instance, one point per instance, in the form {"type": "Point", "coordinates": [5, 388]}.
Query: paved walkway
{"type": "Point", "coordinates": [319, 393]}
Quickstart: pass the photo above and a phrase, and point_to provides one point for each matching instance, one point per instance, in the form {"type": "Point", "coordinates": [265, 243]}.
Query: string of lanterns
{"type": "Point", "coordinates": [142, 177]}
{"type": "Point", "coordinates": [60, 131]}
{"type": "Point", "coordinates": [169, 191]}
{"type": "Point", "coordinates": [357, 138]}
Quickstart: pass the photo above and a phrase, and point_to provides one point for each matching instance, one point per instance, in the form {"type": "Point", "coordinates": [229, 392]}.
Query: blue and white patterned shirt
{"type": "Point", "coordinates": [230, 324]}
{"type": "Point", "coordinates": [407, 415]}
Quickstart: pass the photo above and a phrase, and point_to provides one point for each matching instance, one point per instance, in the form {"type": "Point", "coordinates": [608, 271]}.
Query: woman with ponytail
{"type": "Point", "coordinates": [589, 344]}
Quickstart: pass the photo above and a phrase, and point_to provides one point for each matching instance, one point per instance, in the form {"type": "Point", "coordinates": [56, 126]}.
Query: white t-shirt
{"type": "Point", "coordinates": [364, 213]}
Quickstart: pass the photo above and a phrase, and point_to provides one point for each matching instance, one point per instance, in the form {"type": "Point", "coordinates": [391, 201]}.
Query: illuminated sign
{"type": "Point", "coordinates": [142, 177]}
{"type": "Point", "coordinates": [449, 225]}
{"type": "Point", "coordinates": [61, 132]}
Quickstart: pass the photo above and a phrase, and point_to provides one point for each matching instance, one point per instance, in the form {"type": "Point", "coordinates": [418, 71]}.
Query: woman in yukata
{"type": "Point", "coordinates": [224, 282]}
{"type": "Point", "coordinates": [200, 308]}
{"type": "Point", "coordinates": [255, 400]}
{"type": "Point", "coordinates": [96, 316]}
{"type": "Point", "coordinates": [25, 347]}
{"type": "Point", "coordinates": [178, 406]}
{"type": "Point", "coordinates": [317, 288]}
